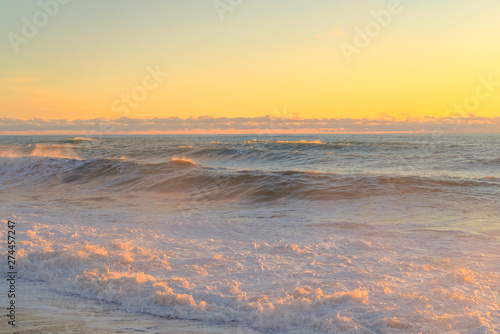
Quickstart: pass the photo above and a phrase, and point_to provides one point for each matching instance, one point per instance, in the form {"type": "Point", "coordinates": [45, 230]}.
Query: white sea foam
{"type": "Point", "coordinates": [328, 280]}
{"type": "Point", "coordinates": [40, 150]}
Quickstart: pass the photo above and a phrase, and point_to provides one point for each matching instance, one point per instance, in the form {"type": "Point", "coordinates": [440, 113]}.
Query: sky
{"type": "Point", "coordinates": [408, 61]}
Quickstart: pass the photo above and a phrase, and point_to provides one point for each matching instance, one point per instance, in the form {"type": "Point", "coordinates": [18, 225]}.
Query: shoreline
{"type": "Point", "coordinates": [41, 310]}
{"type": "Point", "coordinates": [31, 321]}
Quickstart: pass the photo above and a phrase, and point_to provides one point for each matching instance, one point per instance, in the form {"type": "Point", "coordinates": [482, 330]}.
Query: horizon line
{"type": "Point", "coordinates": [404, 124]}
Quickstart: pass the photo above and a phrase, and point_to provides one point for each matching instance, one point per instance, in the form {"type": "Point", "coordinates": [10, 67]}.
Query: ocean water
{"type": "Point", "coordinates": [382, 233]}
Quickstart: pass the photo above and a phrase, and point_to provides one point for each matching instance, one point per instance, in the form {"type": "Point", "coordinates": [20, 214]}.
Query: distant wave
{"type": "Point", "coordinates": [261, 151]}
{"type": "Point", "coordinates": [80, 139]}
{"type": "Point", "coordinates": [317, 142]}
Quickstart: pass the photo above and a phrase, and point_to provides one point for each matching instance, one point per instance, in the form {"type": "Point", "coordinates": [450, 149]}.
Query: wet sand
{"type": "Point", "coordinates": [39, 321]}
{"type": "Point", "coordinates": [42, 311]}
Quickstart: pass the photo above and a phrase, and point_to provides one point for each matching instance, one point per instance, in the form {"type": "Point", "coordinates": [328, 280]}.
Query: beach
{"type": "Point", "coordinates": [40, 310]}
{"type": "Point", "coordinates": [253, 234]}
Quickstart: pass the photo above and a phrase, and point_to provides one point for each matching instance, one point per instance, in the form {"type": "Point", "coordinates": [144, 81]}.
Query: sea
{"type": "Point", "coordinates": [354, 233]}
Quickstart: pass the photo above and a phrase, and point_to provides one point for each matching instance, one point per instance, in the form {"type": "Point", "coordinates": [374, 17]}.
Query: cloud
{"type": "Point", "coordinates": [266, 124]}
{"type": "Point", "coordinates": [337, 32]}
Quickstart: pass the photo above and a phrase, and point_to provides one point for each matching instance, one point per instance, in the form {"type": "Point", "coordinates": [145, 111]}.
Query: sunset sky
{"type": "Point", "coordinates": [258, 57]}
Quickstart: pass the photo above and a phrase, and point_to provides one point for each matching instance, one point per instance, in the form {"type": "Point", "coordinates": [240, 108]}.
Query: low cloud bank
{"type": "Point", "coordinates": [265, 124]}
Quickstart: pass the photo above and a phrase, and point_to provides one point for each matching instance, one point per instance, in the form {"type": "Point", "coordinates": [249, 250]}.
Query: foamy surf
{"type": "Point", "coordinates": [215, 272]}
{"type": "Point", "coordinates": [41, 151]}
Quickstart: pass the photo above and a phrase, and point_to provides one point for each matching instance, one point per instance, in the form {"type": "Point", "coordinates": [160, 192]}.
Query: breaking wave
{"type": "Point", "coordinates": [184, 177]}
{"type": "Point", "coordinates": [40, 150]}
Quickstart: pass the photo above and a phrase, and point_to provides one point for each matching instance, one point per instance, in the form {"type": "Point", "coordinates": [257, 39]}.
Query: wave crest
{"type": "Point", "coordinates": [40, 150]}
{"type": "Point", "coordinates": [80, 139]}
{"type": "Point", "coordinates": [183, 162]}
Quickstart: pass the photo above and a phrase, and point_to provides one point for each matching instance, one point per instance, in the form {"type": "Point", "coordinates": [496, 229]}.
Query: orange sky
{"type": "Point", "coordinates": [174, 59]}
